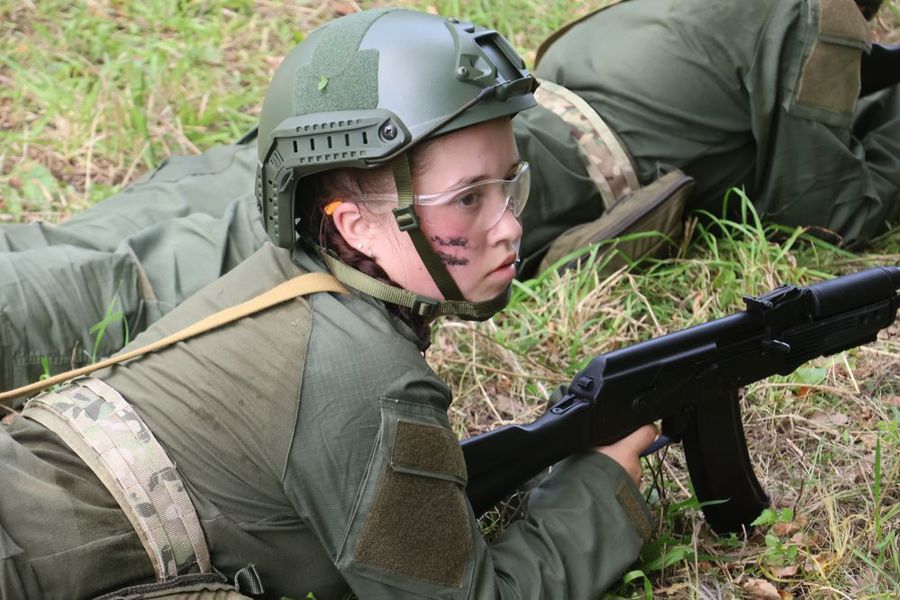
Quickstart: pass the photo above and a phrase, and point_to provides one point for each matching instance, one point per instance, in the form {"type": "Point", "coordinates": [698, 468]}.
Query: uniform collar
{"type": "Point", "coordinates": [311, 262]}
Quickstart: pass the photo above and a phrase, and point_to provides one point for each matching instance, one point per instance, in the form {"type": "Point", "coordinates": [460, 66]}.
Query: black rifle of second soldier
{"type": "Point", "coordinates": [690, 380]}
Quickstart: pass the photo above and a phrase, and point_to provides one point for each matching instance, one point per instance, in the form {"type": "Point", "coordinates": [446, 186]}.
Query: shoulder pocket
{"type": "Point", "coordinates": [829, 80]}
{"type": "Point", "coordinates": [418, 523]}
{"type": "Point", "coordinates": [428, 450]}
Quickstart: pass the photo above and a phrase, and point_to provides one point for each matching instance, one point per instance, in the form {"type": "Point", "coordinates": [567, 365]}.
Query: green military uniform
{"type": "Point", "coordinates": [758, 94]}
{"type": "Point", "coordinates": [140, 253]}
{"type": "Point", "coordinates": [314, 441]}
{"type": "Point", "coordinates": [763, 96]}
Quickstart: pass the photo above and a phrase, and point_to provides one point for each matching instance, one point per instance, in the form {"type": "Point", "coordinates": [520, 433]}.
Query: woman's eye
{"type": "Point", "coordinates": [468, 200]}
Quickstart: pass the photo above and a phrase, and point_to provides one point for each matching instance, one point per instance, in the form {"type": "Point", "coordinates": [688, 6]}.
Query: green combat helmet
{"type": "Point", "coordinates": [363, 90]}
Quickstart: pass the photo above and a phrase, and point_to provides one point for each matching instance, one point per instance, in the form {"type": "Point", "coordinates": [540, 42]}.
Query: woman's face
{"type": "Point", "coordinates": [481, 257]}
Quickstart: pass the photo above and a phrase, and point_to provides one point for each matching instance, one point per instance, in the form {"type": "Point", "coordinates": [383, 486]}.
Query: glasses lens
{"type": "Point", "coordinates": [519, 187]}
{"type": "Point", "coordinates": [479, 206]}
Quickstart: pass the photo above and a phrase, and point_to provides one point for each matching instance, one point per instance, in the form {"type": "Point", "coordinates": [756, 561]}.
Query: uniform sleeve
{"type": "Point", "coordinates": [142, 252]}
{"type": "Point", "coordinates": [826, 160]}
{"type": "Point", "coordinates": [409, 532]}
{"type": "Point", "coordinates": [828, 176]}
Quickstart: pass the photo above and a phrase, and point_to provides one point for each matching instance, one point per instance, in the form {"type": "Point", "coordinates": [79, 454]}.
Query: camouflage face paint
{"type": "Point", "coordinates": [451, 260]}
{"type": "Point", "coordinates": [457, 242]}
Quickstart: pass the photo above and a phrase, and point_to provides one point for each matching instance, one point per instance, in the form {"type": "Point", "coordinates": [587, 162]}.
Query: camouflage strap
{"type": "Point", "coordinates": [105, 431]}
{"type": "Point", "coordinates": [607, 162]}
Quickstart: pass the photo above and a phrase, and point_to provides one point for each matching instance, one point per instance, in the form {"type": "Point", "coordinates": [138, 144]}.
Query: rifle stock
{"type": "Point", "coordinates": [689, 379]}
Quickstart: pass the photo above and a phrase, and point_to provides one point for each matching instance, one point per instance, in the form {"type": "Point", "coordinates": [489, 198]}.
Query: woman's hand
{"type": "Point", "coordinates": [627, 451]}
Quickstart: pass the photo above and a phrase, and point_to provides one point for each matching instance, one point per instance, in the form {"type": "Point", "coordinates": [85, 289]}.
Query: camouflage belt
{"type": "Point", "coordinates": [605, 159]}
{"type": "Point", "coordinates": [105, 431]}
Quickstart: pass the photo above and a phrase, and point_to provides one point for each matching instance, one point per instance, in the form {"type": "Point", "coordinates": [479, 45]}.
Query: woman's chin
{"type": "Point", "coordinates": [495, 284]}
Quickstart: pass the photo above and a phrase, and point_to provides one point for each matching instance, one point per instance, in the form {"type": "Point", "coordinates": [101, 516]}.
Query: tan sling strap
{"type": "Point", "coordinates": [606, 160]}
{"type": "Point", "coordinates": [301, 285]}
{"type": "Point", "coordinates": [112, 439]}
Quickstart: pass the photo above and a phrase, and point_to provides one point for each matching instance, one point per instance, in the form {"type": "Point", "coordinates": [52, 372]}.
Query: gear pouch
{"type": "Point", "coordinates": [648, 223]}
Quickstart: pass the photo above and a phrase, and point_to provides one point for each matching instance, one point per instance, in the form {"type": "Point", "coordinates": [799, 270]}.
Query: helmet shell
{"type": "Point", "coordinates": [364, 88]}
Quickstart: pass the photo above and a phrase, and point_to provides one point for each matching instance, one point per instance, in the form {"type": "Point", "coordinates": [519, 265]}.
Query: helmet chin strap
{"type": "Point", "coordinates": [408, 221]}
{"type": "Point", "coordinates": [423, 306]}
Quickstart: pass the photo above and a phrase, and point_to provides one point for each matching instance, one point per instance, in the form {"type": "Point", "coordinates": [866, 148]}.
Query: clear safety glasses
{"type": "Point", "coordinates": [477, 206]}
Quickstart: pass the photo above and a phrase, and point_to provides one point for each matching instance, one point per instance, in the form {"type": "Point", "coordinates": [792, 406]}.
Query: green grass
{"type": "Point", "coordinates": [94, 94]}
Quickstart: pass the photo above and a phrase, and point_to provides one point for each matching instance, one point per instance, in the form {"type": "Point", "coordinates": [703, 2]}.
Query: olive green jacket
{"type": "Point", "coordinates": [756, 94]}
{"type": "Point", "coordinates": [314, 441]}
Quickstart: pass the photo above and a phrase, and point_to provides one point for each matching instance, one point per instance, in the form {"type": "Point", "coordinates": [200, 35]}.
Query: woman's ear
{"type": "Point", "coordinates": [352, 224]}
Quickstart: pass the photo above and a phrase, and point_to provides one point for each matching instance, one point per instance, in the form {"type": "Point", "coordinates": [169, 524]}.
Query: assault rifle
{"type": "Point", "coordinates": [690, 379]}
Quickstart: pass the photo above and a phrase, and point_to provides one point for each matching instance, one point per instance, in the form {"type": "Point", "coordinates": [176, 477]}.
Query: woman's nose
{"type": "Point", "coordinates": [508, 228]}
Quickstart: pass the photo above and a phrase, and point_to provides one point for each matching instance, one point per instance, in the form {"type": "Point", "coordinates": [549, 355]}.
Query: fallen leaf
{"type": "Point", "coordinates": [839, 419]}
{"type": "Point", "coordinates": [785, 529]}
{"type": "Point", "coordinates": [273, 62]}
{"type": "Point", "coordinates": [344, 9]}
{"type": "Point", "coordinates": [810, 539]}
{"type": "Point", "coordinates": [818, 417]}
{"type": "Point", "coordinates": [835, 419]}
{"type": "Point", "coordinates": [799, 539]}
{"type": "Point", "coordinates": [788, 571]}
{"type": "Point", "coordinates": [676, 590]}
{"type": "Point", "coordinates": [760, 589]}
{"type": "Point", "coordinates": [696, 304]}
{"type": "Point", "coordinates": [869, 440]}
{"type": "Point", "coordinates": [818, 562]}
